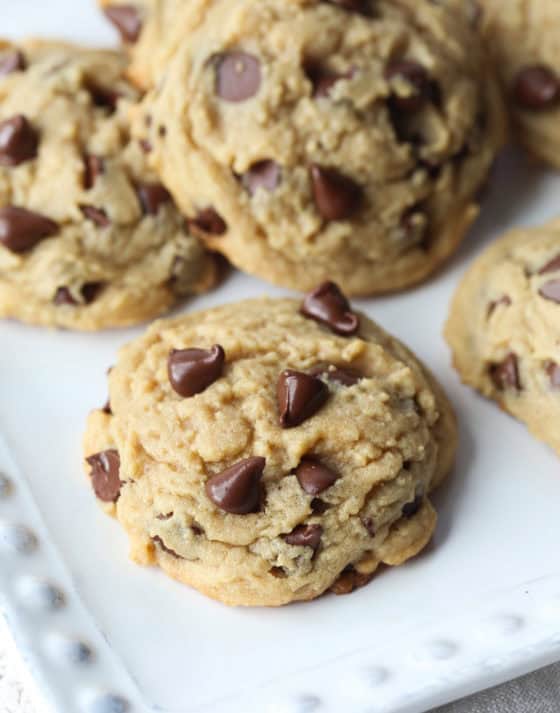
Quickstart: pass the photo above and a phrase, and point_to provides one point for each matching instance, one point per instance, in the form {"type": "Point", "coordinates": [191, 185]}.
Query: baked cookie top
{"type": "Point", "coordinates": [264, 452]}
{"type": "Point", "coordinates": [504, 326]}
{"type": "Point", "coordinates": [89, 238]}
{"type": "Point", "coordinates": [340, 141]}
{"type": "Point", "coordinates": [523, 37]}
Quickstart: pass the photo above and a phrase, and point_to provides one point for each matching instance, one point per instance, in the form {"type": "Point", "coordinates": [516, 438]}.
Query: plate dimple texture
{"type": "Point", "coordinates": [6, 487]}
{"type": "Point", "coordinates": [17, 539]}
{"type": "Point", "coordinates": [39, 594]}
{"type": "Point", "coordinates": [108, 703]}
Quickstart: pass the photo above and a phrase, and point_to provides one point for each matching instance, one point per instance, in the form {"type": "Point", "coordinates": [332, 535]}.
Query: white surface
{"type": "Point", "coordinates": [482, 605]}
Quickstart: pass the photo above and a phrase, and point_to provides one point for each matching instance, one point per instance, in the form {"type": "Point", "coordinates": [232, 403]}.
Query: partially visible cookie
{"type": "Point", "coordinates": [342, 141]}
{"type": "Point", "coordinates": [504, 327]}
{"type": "Point", "coordinates": [524, 38]}
{"type": "Point", "coordinates": [266, 451]}
{"type": "Point", "coordinates": [149, 29]}
{"type": "Point", "coordinates": [89, 238]}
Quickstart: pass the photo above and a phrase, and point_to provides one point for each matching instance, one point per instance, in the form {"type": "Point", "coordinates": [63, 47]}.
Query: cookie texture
{"type": "Point", "coordinates": [258, 454]}
{"type": "Point", "coordinates": [89, 238]}
{"type": "Point", "coordinates": [150, 30]}
{"type": "Point", "coordinates": [504, 327]}
{"type": "Point", "coordinates": [524, 38]}
{"type": "Point", "coordinates": [328, 142]}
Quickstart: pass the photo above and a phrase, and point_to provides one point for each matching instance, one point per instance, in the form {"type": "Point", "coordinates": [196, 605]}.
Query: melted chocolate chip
{"type": "Point", "coordinates": [238, 76]}
{"type": "Point", "coordinates": [553, 371]}
{"type": "Point", "coordinates": [191, 371]}
{"type": "Point", "coordinates": [96, 215]}
{"type": "Point", "coordinates": [349, 580]}
{"type": "Point", "coordinates": [63, 296]}
{"type": "Point", "coordinates": [13, 61]}
{"type": "Point", "coordinates": [165, 516]}
{"type": "Point", "coordinates": [105, 468]}
{"type": "Point", "coordinates": [343, 376]}
{"type": "Point", "coordinates": [18, 141]}
{"type": "Point", "coordinates": [319, 506]}
{"type": "Point", "coordinates": [350, 5]}
{"type": "Point", "coordinates": [209, 221]}
{"type": "Point", "coordinates": [551, 291]}
{"type": "Point", "coordinates": [21, 229]}
{"type": "Point", "coordinates": [264, 174]}
{"type": "Point", "coordinates": [107, 408]}
{"type": "Point", "coordinates": [417, 78]}
{"type": "Point", "coordinates": [410, 509]}
{"type": "Point", "coordinates": [336, 196]}
{"type": "Point", "coordinates": [536, 88]}
{"type": "Point", "coordinates": [368, 523]}
{"type": "Point", "coordinates": [504, 301]}
{"type": "Point", "coordinates": [551, 266]}
{"type": "Point", "coordinates": [278, 572]}
{"type": "Point", "coordinates": [127, 20]}
{"type": "Point", "coordinates": [328, 305]}
{"type": "Point", "coordinates": [237, 489]}
{"type": "Point", "coordinates": [102, 97]}
{"type": "Point", "coordinates": [90, 291]}
{"type": "Point", "coordinates": [323, 80]}
{"type": "Point", "coordinates": [300, 396]}
{"type": "Point", "coordinates": [315, 477]}
{"type": "Point", "coordinates": [161, 544]}
{"type": "Point", "coordinates": [146, 146]}
{"type": "Point", "coordinates": [505, 375]}
{"type": "Point", "coordinates": [152, 196]}
{"type": "Point", "coordinates": [94, 166]}
{"type": "Point", "coordinates": [305, 536]}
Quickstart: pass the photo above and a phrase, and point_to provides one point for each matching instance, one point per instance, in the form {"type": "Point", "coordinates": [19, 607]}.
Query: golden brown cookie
{"type": "Point", "coordinates": [504, 327]}
{"type": "Point", "coordinates": [327, 142]}
{"type": "Point", "coordinates": [266, 451]}
{"type": "Point", "coordinates": [89, 238]}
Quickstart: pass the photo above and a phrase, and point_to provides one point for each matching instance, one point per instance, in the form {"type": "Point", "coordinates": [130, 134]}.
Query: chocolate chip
{"type": "Point", "coordinates": [336, 196]}
{"type": "Point", "coordinates": [551, 291]}
{"type": "Point", "coordinates": [102, 97]}
{"type": "Point", "coordinates": [209, 221]}
{"type": "Point", "coordinates": [63, 296]}
{"type": "Point", "coordinates": [146, 146]}
{"type": "Point", "coordinates": [536, 88]}
{"type": "Point", "coordinates": [328, 305]}
{"type": "Point", "coordinates": [237, 489]}
{"type": "Point", "coordinates": [553, 371]}
{"type": "Point", "coordinates": [165, 516]}
{"type": "Point", "coordinates": [305, 536]}
{"type": "Point", "coordinates": [21, 229]}
{"type": "Point", "coordinates": [13, 61]}
{"type": "Point", "coordinates": [410, 509]}
{"type": "Point", "coordinates": [161, 544]}
{"type": "Point", "coordinates": [94, 166]}
{"type": "Point", "coordinates": [238, 76]}
{"type": "Point", "coordinates": [351, 5]}
{"type": "Point", "coordinates": [105, 469]}
{"type": "Point", "coordinates": [90, 291]}
{"type": "Point", "coordinates": [18, 141]}
{"type": "Point", "coordinates": [324, 80]}
{"type": "Point", "coordinates": [96, 215]}
{"type": "Point", "coordinates": [315, 477]}
{"type": "Point", "coordinates": [319, 506]}
{"type": "Point", "coordinates": [300, 396]}
{"type": "Point", "coordinates": [416, 76]}
{"type": "Point", "coordinates": [152, 196]}
{"type": "Point", "coordinates": [368, 523]}
{"type": "Point", "coordinates": [551, 266]}
{"type": "Point", "coordinates": [278, 572]}
{"type": "Point", "coordinates": [349, 580]}
{"type": "Point", "coordinates": [191, 371]}
{"type": "Point", "coordinates": [126, 19]}
{"type": "Point", "coordinates": [505, 300]}
{"type": "Point", "coordinates": [343, 376]}
{"type": "Point", "coordinates": [107, 408]}
{"type": "Point", "coordinates": [264, 174]}
{"type": "Point", "coordinates": [505, 374]}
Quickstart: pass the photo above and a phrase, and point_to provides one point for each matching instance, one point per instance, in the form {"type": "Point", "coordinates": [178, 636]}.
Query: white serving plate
{"type": "Point", "coordinates": [102, 635]}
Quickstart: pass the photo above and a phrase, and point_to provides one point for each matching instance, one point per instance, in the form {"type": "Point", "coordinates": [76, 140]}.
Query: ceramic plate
{"type": "Point", "coordinates": [102, 635]}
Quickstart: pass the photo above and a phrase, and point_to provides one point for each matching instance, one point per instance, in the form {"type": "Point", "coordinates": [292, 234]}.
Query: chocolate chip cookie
{"type": "Point", "coordinates": [150, 30]}
{"type": "Point", "coordinates": [267, 451]}
{"type": "Point", "coordinates": [523, 38]}
{"type": "Point", "coordinates": [89, 238]}
{"type": "Point", "coordinates": [342, 141]}
{"type": "Point", "coordinates": [504, 327]}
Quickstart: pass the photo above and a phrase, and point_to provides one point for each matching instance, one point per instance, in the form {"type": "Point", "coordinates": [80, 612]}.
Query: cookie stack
{"type": "Point", "coordinates": [267, 451]}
